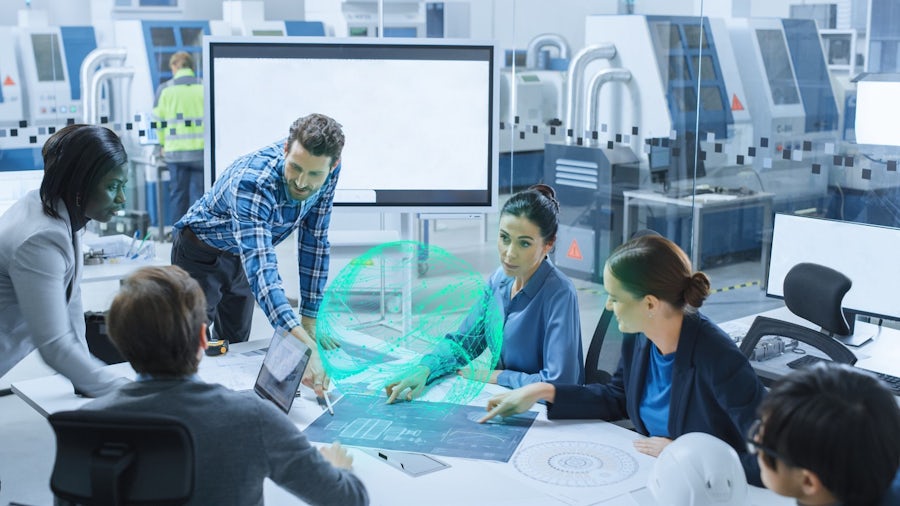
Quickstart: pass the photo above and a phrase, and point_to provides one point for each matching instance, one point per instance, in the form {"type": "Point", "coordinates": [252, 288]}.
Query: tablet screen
{"type": "Point", "coordinates": [281, 371]}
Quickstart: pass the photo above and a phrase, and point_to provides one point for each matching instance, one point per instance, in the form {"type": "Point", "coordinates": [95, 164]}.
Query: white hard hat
{"type": "Point", "coordinates": [698, 470]}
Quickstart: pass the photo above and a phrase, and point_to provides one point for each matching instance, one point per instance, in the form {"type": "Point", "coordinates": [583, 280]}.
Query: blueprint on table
{"type": "Point", "coordinates": [437, 428]}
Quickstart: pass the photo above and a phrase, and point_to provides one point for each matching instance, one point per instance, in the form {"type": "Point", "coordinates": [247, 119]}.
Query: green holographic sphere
{"type": "Point", "coordinates": [387, 317]}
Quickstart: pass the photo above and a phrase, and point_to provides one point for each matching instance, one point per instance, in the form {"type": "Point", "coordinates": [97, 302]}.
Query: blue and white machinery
{"type": "Point", "coordinates": [532, 100]}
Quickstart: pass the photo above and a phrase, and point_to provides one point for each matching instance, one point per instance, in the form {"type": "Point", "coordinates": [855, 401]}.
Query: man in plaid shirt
{"type": "Point", "coordinates": [226, 240]}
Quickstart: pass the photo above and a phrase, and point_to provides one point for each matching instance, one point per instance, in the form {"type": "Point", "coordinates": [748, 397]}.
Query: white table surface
{"type": "Point", "coordinates": [466, 481]}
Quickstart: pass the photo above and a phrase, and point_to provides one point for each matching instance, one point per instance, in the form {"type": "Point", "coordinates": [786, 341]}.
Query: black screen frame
{"type": "Point", "coordinates": [417, 200]}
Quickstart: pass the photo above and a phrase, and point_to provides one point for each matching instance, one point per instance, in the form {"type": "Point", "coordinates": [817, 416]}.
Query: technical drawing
{"type": "Point", "coordinates": [437, 428]}
{"type": "Point", "coordinates": [575, 464]}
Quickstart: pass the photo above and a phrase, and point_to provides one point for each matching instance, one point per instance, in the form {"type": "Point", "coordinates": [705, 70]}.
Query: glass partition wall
{"type": "Point", "coordinates": [698, 121]}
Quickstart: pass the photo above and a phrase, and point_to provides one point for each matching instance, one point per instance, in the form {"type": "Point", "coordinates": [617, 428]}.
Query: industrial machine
{"type": "Point", "coordinates": [590, 174]}
{"type": "Point", "coordinates": [247, 18]}
{"type": "Point", "coordinates": [40, 92]}
{"type": "Point", "coordinates": [739, 129]}
{"type": "Point", "coordinates": [793, 107]}
{"type": "Point", "coordinates": [402, 18]}
{"type": "Point", "coordinates": [532, 103]}
{"type": "Point", "coordinates": [654, 65]}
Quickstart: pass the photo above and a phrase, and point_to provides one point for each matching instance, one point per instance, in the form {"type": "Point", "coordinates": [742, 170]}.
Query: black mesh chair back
{"type": "Point", "coordinates": [606, 326]}
{"type": "Point", "coordinates": [116, 458]}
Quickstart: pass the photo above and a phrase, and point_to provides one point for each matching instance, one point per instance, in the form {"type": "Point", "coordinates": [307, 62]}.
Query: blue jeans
{"type": "Point", "coordinates": [185, 187]}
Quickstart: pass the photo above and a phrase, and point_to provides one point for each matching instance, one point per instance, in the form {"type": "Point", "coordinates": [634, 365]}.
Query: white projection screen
{"type": "Point", "coordinates": [420, 117]}
{"type": "Point", "coordinates": [867, 254]}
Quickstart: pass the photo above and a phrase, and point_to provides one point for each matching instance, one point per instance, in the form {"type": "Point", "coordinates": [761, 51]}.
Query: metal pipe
{"type": "Point", "coordinates": [107, 73]}
{"type": "Point", "coordinates": [597, 82]}
{"type": "Point", "coordinates": [86, 73]}
{"type": "Point", "coordinates": [575, 85]}
{"type": "Point", "coordinates": [540, 42]}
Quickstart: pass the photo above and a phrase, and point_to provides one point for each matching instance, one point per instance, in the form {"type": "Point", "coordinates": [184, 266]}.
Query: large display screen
{"type": "Point", "coordinates": [420, 118]}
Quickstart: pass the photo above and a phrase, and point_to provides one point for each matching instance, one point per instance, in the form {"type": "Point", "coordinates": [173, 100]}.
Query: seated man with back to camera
{"type": "Point", "coordinates": [158, 322]}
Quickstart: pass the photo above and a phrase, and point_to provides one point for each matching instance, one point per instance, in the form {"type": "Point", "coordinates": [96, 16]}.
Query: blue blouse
{"type": "Point", "coordinates": [541, 332]}
{"type": "Point", "coordinates": [657, 392]}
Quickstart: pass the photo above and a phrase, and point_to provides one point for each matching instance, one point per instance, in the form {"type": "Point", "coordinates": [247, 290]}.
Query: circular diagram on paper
{"type": "Point", "coordinates": [575, 464]}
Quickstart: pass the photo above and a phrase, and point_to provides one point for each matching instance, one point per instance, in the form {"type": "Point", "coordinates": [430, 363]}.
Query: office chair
{"type": "Point", "coordinates": [606, 325]}
{"type": "Point", "coordinates": [813, 292]}
{"type": "Point", "coordinates": [592, 371]}
{"type": "Point", "coordinates": [118, 458]}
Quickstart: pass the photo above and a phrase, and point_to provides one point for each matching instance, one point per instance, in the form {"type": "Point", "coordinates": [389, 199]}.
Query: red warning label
{"type": "Point", "coordinates": [574, 251]}
{"type": "Point", "coordinates": [9, 81]}
{"type": "Point", "coordinates": [736, 104]}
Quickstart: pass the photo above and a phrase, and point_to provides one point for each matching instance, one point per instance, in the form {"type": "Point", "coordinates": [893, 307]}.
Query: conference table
{"type": "Point", "coordinates": [572, 462]}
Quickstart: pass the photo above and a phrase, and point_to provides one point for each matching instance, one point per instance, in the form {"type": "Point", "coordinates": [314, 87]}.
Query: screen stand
{"type": "Point", "coordinates": [405, 291]}
{"type": "Point", "coordinates": [859, 334]}
{"type": "Point", "coordinates": [856, 340]}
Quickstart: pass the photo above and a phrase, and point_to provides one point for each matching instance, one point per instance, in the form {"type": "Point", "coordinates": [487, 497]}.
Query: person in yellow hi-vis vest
{"type": "Point", "coordinates": [178, 111]}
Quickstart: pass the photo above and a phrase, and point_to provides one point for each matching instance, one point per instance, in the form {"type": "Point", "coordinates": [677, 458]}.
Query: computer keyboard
{"type": "Point", "coordinates": [892, 382]}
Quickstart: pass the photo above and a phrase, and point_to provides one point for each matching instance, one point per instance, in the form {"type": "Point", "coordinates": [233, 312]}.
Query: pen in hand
{"type": "Point", "coordinates": [325, 403]}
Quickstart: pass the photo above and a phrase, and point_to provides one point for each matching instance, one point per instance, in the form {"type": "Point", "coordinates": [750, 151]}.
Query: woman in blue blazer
{"type": "Point", "coordinates": [678, 372]}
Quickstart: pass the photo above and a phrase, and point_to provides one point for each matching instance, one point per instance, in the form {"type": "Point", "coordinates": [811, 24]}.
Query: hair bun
{"type": "Point", "coordinates": [696, 289]}
{"type": "Point", "coordinates": [546, 191]}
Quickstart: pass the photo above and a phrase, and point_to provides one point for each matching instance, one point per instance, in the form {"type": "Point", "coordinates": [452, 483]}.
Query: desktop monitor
{"type": "Point", "coordinates": [867, 254]}
{"type": "Point", "coordinates": [420, 116]}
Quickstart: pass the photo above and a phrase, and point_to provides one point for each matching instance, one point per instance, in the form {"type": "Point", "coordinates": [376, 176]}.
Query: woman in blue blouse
{"type": "Point", "coordinates": [678, 373]}
{"type": "Point", "coordinates": [542, 329]}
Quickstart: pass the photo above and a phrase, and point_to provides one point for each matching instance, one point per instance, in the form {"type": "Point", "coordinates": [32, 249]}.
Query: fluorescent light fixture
{"type": "Point", "coordinates": [878, 110]}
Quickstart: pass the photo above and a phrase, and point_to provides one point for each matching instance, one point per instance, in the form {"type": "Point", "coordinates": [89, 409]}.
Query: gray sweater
{"type": "Point", "coordinates": [39, 264]}
{"type": "Point", "coordinates": [240, 439]}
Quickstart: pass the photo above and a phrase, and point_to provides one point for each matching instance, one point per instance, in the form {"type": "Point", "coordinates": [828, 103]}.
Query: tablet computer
{"type": "Point", "coordinates": [282, 368]}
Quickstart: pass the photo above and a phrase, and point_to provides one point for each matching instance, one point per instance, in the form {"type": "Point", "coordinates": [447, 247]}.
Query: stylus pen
{"type": "Point", "coordinates": [325, 403]}
{"type": "Point", "coordinates": [328, 403]}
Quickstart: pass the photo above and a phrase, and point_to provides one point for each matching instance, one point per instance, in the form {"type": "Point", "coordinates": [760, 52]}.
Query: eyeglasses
{"type": "Point", "coordinates": [754, 447]}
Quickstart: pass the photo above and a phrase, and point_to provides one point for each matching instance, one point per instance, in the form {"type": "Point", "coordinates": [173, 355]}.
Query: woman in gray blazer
{"type": "Point", "coordinates": [40, 254]}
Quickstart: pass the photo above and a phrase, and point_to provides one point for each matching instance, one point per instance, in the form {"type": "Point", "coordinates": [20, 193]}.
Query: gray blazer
{"type": "Point", "coordinates": [38, 266]}
{"type": "Point", "coordinates": [239, 440]}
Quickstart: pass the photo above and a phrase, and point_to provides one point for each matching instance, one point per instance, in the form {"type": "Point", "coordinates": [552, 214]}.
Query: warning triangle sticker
{"type": "Point", "coordinates": [9, 81]}
{"type": "Point", "coordinates": [736, 104]}
{"type": "Point", "coordinates": [574, 251]}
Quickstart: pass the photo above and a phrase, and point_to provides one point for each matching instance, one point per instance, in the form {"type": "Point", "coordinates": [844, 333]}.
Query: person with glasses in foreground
{"type": "Point", "coordinates": [829, 435]}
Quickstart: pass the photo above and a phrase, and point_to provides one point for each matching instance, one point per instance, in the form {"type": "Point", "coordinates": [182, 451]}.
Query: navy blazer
{"type": "Point", "coordinates": [714, 389]}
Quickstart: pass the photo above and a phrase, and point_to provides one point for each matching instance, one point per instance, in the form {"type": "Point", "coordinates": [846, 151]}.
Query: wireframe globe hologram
{"type": "Point", "coordinates": [386, 316]}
